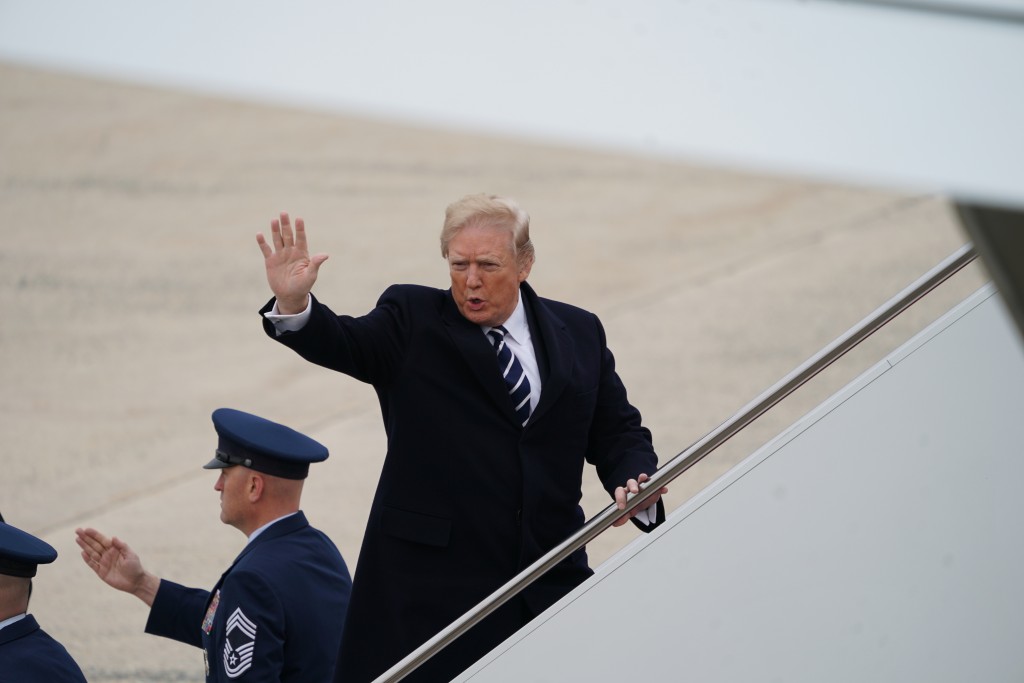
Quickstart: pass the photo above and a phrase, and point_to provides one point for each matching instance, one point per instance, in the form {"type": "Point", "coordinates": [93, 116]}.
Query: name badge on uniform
{"type": "Point", "coordinates": [210, 612]}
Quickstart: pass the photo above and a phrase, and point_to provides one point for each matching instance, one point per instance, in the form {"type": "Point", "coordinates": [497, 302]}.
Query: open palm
{"type": "Point", "coordinates": [291, 272]}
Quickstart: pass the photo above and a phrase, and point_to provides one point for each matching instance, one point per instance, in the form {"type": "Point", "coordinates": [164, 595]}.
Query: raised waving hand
{"type": "Point", "coordinates": [291, 271]}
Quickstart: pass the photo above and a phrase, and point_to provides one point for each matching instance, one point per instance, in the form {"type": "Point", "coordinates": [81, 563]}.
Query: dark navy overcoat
{"type": "Point", "coordinates": [467, 496]}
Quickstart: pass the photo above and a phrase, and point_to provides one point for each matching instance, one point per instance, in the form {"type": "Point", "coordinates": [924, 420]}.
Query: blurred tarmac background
{"type": "Point", "coordinates": [130, 281]}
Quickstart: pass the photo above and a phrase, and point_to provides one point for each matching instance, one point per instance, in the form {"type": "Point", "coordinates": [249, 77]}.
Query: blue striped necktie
{"type": "Point", "coordinates": [515, 379]}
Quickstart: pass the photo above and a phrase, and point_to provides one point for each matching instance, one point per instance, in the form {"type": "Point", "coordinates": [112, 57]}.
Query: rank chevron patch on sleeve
{"type": "Point", "coordinates": [239, 642]}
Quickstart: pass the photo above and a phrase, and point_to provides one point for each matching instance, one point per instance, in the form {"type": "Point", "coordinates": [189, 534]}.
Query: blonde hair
{"type": "Point", "coordinates": [492, 211]}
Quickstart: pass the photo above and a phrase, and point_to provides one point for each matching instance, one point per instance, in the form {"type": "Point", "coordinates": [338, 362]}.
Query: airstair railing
{"type": "Point", "coordinates": [687, 459]}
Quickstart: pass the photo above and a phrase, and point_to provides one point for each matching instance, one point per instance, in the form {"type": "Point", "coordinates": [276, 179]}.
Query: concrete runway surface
{"type": "Point", "coordinates": [130, 281]}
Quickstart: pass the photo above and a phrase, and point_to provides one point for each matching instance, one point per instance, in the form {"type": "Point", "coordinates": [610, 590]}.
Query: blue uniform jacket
{"type": "Point", "coordinates": [275, 615]}
{"type": "Point", "coordinates": [468, 496]}
{"type": "Point", "coordinates": [29, 655]}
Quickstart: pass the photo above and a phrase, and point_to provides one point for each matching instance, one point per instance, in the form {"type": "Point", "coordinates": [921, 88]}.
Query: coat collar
{"type": "Point", "coordinates": [18, 629]}
{"type": "Point", "coordinates": [275, 530]}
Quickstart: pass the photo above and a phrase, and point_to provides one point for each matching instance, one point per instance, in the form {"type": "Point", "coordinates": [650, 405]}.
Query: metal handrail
{"type": "Point", "coordinates": [687, 459]}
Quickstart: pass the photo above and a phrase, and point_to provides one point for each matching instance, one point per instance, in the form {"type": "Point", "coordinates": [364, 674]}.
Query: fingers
{"type": "Point", "coordinates": [91, 541]}
{"type": "Point", "coordinates": [622, 493]}
{"type": "Point", "coordinates": [620, 498]}
{"type": "Point", "coordinates": [93, 545]}
{"type": "Point", "coordinates": [264, 247]}
{"type": "Point", "coordinates": [282, 235]}
{"type": "Point", "coordinates": [275, 234]}
{"type": "Point", "coordinates": [632, 486]}
{"type": "Point", "coordinates": [315, 263]}
{"type": "Point", "coordinates": [287, 237]}
{"type": "Point", "coordinates": [88, 553]}
{"type": "Point", "coordinates": [641, 478]}
{"type": "Point", "coordinates": [300, 234]}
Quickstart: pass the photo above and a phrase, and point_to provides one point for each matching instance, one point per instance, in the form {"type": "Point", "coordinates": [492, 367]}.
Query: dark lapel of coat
{"type": "Point", "coordinates": [478, 354]}
{"type": "Point", "coordinates": [558, 350]}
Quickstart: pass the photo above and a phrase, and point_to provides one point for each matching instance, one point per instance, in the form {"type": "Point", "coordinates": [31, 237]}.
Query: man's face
{"type": "Point", "coordinates": [233, 487]}
{"type": "Point", "coordinates": [485, 275]}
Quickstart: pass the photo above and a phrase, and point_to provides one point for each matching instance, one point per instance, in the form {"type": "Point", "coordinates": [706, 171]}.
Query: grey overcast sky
{"type": "Point", "coordinates": [920, 101]}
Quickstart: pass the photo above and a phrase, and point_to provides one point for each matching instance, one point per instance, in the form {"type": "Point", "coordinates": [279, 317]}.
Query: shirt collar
{"type": "Point", "coordinates": [16, 618]}
{"type": "Point", "coordinates": [516, 325]}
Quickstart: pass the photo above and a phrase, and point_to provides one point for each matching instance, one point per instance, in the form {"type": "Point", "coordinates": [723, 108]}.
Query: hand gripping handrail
{"type": "Point", "coordinates": [687, 459]}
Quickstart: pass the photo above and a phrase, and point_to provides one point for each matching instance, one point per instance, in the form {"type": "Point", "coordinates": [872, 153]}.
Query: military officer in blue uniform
{"type": "Point", "coordinates": [277, 613]}
{"type": "Point", "coordinates": [27, 653]}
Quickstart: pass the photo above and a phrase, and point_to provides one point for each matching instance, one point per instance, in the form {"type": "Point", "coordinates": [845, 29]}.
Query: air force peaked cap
{"type": "Point", "coordinates": [21, 552]}
{"type": "Point", "coordinates": [262, 445]}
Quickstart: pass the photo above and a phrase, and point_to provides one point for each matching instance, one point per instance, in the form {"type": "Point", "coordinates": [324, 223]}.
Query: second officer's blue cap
{"type": "Point", "coordinates": [262, 445]}
{"type": "Point", "coordinates": [21, 552]}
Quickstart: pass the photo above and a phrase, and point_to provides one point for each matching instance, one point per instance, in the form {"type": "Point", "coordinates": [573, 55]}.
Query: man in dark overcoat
{"type": "Point", "coordinates": [492, 399]}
